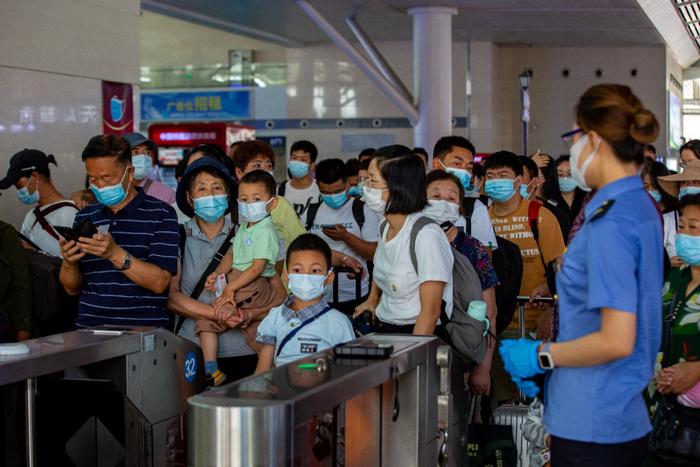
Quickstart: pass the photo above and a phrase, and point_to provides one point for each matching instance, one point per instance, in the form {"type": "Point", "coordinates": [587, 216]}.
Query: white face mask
{"type": "Point", "coordinates": [373, 199]}
{"type": "Point", "coordinates": [441, 211]}
{"type": "Point", "coordinates": [579, 175]}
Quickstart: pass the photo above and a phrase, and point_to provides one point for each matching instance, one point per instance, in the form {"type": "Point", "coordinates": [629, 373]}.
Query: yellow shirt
{"type": "Point", "coordinates": [516, 228]}
{"type": "Point", "coordinates": [286, 221]}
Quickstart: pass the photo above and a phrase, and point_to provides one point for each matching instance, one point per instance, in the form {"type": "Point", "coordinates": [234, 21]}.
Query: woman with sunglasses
{"type": "Point", "coordinates": [609, 290]}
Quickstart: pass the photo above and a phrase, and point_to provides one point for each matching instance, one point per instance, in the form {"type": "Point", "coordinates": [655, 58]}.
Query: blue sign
{"type": "Point", "coordinates": [195, 105]}
{"type": "Point", "coordinates": [191, 367]}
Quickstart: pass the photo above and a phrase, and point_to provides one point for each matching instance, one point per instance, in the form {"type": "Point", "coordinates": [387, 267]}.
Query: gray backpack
{"type": "Point", "coordinates": [466, 333]}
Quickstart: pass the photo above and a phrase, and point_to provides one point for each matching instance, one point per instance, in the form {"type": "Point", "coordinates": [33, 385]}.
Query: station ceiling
{"type": "Point", "coordinates": [528, 22]}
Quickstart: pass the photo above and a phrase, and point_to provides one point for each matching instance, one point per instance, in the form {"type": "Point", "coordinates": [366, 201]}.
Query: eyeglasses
{"type": "Point", "coordinates": [568, 137]}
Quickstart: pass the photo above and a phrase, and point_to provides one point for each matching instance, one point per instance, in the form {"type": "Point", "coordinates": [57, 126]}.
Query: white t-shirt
{"type": "Point", "coordinates": [301, 199]}
{"type": "Point", "coordinates": [482, 229]}
{"type": "Point", "coordinates": [33, 230]}
{"type": "Point", "coordinates": [370, 233]}
{"type": "Point", "coordinates": [670, 230]}
{"type": "Point", "coordinates": [398, 281]}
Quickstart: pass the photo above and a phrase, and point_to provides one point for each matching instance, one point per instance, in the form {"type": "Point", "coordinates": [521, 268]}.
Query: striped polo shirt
{"type": "Point", "coordinates": [147, 229]}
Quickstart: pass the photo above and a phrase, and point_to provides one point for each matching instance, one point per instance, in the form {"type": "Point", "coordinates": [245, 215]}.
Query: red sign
{"type": "Point", "coordinates": [117, 108]}
{"type": "Point", "coordinates": [187, 135]}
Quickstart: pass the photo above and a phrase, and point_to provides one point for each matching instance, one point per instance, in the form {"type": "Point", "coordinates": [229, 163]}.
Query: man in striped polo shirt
{"type": "Point", "coordinates": [123, 272]}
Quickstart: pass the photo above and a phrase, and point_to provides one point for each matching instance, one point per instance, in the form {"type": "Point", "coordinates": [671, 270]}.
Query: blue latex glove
{"type": "Point", "coordinates": [527, 386]}
{"type": "Point", "coordinates": [520, 357]}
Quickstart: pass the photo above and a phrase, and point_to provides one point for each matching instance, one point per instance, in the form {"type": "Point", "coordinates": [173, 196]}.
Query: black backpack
{"type": "Point", "coordinates": [358, 212]}
{"type": "Point", "coordinates": [282, 189]}
{"type": "Point", "coordinates": [508, 263]}
{"type": "Point", "coordinates": [468, 207]}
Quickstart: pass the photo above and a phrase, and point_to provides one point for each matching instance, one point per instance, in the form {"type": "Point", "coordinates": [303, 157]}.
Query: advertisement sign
{"type": "Point", "coordinates": [230, 104]}
{"type": "Point", "coordinates": [117, 108]}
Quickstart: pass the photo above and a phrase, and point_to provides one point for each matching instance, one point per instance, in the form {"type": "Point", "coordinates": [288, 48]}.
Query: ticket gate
{"type": "Point", "coordinates": [333, 410]}
{"type": "Point", "coordinates": [137, 381]}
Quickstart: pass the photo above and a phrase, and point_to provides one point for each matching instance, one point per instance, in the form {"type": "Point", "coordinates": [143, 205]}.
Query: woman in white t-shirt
{"type": "Point", "coordinates": [402, 299]}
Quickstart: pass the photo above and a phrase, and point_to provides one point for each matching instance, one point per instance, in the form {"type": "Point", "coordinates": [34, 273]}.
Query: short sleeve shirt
{"type": "Point", "coordinates": [33, 230]}
{"type": "Point", "coordinates": [369, 233]}
{"type": "Point", "coordinates": [147, 229]}
{"type": "Point", "coordinates": [302, 199]}
{"type": "Point", "coordinates": [159, 191]}
{"type": "Point", "coordinates": [326, 331]}
{"type": "Point", "coordinates": [286, 221]}
{"type": "Point", "coordinates": [257, 241]}
{"type": "Point", "coordinates": [482, 229]}
{"type": "Point", "coordinates": [616, 262]}
{"type": "Point", "coordinates": [396, 277]}
{"type": "Point", "coordinates": [685, 328]}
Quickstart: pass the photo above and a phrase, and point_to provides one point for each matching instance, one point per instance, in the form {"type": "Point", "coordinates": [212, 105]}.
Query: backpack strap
{"type": "Point", "coordinates": [358, 212]}
{"type": "Point", "coordinates": [182, 240]}
{"type": "Point", "coordinates": [311, 215]}
{"type": "Point", "coordinates": [415, 230]}
{"type": "Point", "coordinates": [282, 189]}
{"type": "Point", "coordinates": [294, 331]}
{"type": "Point", "coordinates": [533, 218]}
{"type": "Point", "coordinates": [40, 216]}
{"type": "Point", "coordinates": [468, 207]}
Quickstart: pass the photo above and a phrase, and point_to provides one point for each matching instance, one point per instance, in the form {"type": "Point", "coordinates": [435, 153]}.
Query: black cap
{"type": "Point", "coordinates": [136, 139]}
{"type": "Point", "coordinates": [193, 169]}
{"type": "Point", "coordinates": [23, 164]}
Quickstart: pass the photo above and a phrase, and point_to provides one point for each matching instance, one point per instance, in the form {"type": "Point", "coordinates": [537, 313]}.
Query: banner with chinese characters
{"type": "Point", "coordinates": [117, 108]}
{"type": "Point", "coordinates": [231, 104]}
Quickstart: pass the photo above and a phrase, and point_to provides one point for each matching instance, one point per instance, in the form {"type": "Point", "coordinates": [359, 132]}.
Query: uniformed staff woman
{"type": "Point", "coordinates": [609, 295]}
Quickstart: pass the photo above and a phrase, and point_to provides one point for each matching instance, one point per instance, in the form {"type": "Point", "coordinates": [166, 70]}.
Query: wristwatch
{"type": "Point", "coordinates": [544, 357]}
{"type": "Point", "coordinates": [126, 263]}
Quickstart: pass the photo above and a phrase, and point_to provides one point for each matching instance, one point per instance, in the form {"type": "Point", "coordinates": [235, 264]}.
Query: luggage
{"type": "Point", "coordinates": [358, 283]}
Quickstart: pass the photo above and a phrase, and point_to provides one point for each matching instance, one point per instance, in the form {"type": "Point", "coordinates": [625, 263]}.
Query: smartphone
{"type": "Point", "coordinates": [328, 226]}
{"type": "Point", "coordinates": [85, 229]}
{"type": "Point", "coordinates": [66, 232]}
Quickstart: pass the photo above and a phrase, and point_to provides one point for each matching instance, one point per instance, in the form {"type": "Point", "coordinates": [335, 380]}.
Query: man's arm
{"type": "Point", "coordinates": [70, 276]}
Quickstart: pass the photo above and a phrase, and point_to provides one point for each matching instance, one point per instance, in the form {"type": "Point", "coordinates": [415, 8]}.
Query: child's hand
{"type": "Point", "coordinates": [226, 296]}
{"type": "Point", "coordinates": [209, 283]}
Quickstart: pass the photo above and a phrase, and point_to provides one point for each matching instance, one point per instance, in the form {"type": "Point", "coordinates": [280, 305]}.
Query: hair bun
{"type": "Point", "coordinates": [645, 127]}
{"type": "Point", "coordinates": [50, 159]}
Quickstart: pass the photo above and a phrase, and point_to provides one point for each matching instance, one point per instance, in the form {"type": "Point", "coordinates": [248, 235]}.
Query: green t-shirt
{"type": "Point", "coordinates": [685, 331]}
{"type": "Point", "coordinates": [259, 241]}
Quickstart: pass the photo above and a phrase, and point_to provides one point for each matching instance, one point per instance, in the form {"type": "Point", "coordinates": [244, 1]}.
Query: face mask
{"type": "Point", "coordinates": [142, 165]}
{"type": "Point", "coordinates": [688, 248]}
{"type": "Point", "coordinates": [373, 199]}
{"type": "Point", "coordinates": [567, 184]}
{"type": "Point", "coordinates": [688, 190]}
{"type": "Point", "coordinates": [211, 208]}
{"type": "Point", "coordinates": [253, 212]}
{"type": "Point", "coordinates": [655, 194]}
{"type": "Point", "coordinates": [355, 190]}
{"type": "Point", "coordinates": [500, 190]}
{"type": "Point", "coordinates": [441, 211]}
{"type": "Point", "coordinates": [579, 175]}
{"type": "Point", "coordinates": [523, 191]}
{"type": "Point", "coordinates": [298, 169]}
{"type": "Point", "coordinates": [111, 195]}
{"type": "Point", "coordinates": [307, 286]}
{"type": "Point", "coordinates": [26, 197]}
{"type": "Point", "coordinates": [335, 201]}
{"type": "Point", "coordinates": [462, 175]}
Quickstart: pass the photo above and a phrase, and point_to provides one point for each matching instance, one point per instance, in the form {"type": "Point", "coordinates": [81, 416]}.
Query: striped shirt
{"type": "Point", "coordinates": [147, 229]}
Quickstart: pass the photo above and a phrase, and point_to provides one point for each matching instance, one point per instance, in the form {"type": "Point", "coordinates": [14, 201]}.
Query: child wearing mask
{"type": "Point", "coordinates": [248, 266]}
{"type": "Point", "coordinates": [304, 324]}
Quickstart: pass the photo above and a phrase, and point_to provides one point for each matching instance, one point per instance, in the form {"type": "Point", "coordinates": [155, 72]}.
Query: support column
{"type": "Point", "coordinates": [432, 71]}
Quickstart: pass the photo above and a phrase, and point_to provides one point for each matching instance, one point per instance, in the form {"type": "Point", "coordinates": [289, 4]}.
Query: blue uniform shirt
{"type": "Point", "coordinates": [147, 229]}
{"type": "Point", "coordinates": [328, 330]}
{"type": "Point", "coordinates": [615, 262]}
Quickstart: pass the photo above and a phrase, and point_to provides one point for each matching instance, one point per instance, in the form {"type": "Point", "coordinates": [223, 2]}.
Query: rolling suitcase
{"type": "Point", "coordinates": [342, 270]}
{"type": "Point", "coordinates": [515, 414]}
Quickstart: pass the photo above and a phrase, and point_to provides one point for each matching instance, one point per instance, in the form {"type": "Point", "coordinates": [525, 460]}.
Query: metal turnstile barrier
{"type": "Point", "coordinates": [151, 372]}
{"type": "Point", "coordinates": [404, 411]}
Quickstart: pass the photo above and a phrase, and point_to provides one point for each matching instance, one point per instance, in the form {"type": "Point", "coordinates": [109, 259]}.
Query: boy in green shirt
{"type": "Point", "coordinates": [248, 266]}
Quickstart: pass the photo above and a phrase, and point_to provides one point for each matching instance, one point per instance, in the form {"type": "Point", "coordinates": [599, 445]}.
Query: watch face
{"type": "Point", "coordinates": [545, 361]}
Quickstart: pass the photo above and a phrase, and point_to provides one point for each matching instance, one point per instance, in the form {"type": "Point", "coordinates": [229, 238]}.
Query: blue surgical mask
{"type": "Point", "coordinates": [464, 177]}
{"type": "Point", "coordinates": [688, 190]}
{"type": "Point", "coordinates": [567, 184]}
{"type": "Point", "coordinates": [688, 248]}
{"type": "Point", "coordinates": [298, 169]}
{"type": "Point", "coordinates": [26, 197]}
{"type": "Point", "coordinates": [523, 191]}
{"type": "Point", "coordinates": [211, 208]}
{"type": "Point", "coordinates": [335, 201]}
{"type": "Point", "coordinates": [655, 194]}
{"type": "Point", "coordinates": [142, 165]}
{"type": "Point", "coordinates": [253, 212]}
{"type": "Point", "coordinates": [356, 190]}
{"type": "Point", "coordinates": [307, 287]}
{"type": "Point", "coordinates": [501, 189]}
{"type": "Point", "coordinates": [111, 195]}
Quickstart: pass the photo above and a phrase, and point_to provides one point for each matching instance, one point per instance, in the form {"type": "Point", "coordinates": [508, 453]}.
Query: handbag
{"type": "Point", "coordinates": [675, 435]}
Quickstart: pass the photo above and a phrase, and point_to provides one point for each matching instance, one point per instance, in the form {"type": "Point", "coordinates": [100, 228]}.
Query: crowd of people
{"type": "Point", "coordinates": [244, 266]}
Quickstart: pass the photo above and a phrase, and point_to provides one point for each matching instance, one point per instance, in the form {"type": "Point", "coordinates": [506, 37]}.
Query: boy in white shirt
{"type": "Point", "coordinates": [301, 190]}
{"type": "Point", "coordinates": [304, 324]}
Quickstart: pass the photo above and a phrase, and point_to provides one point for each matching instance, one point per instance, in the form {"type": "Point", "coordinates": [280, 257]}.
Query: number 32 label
{"type": "Point", "coordinates": [190, 367]}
